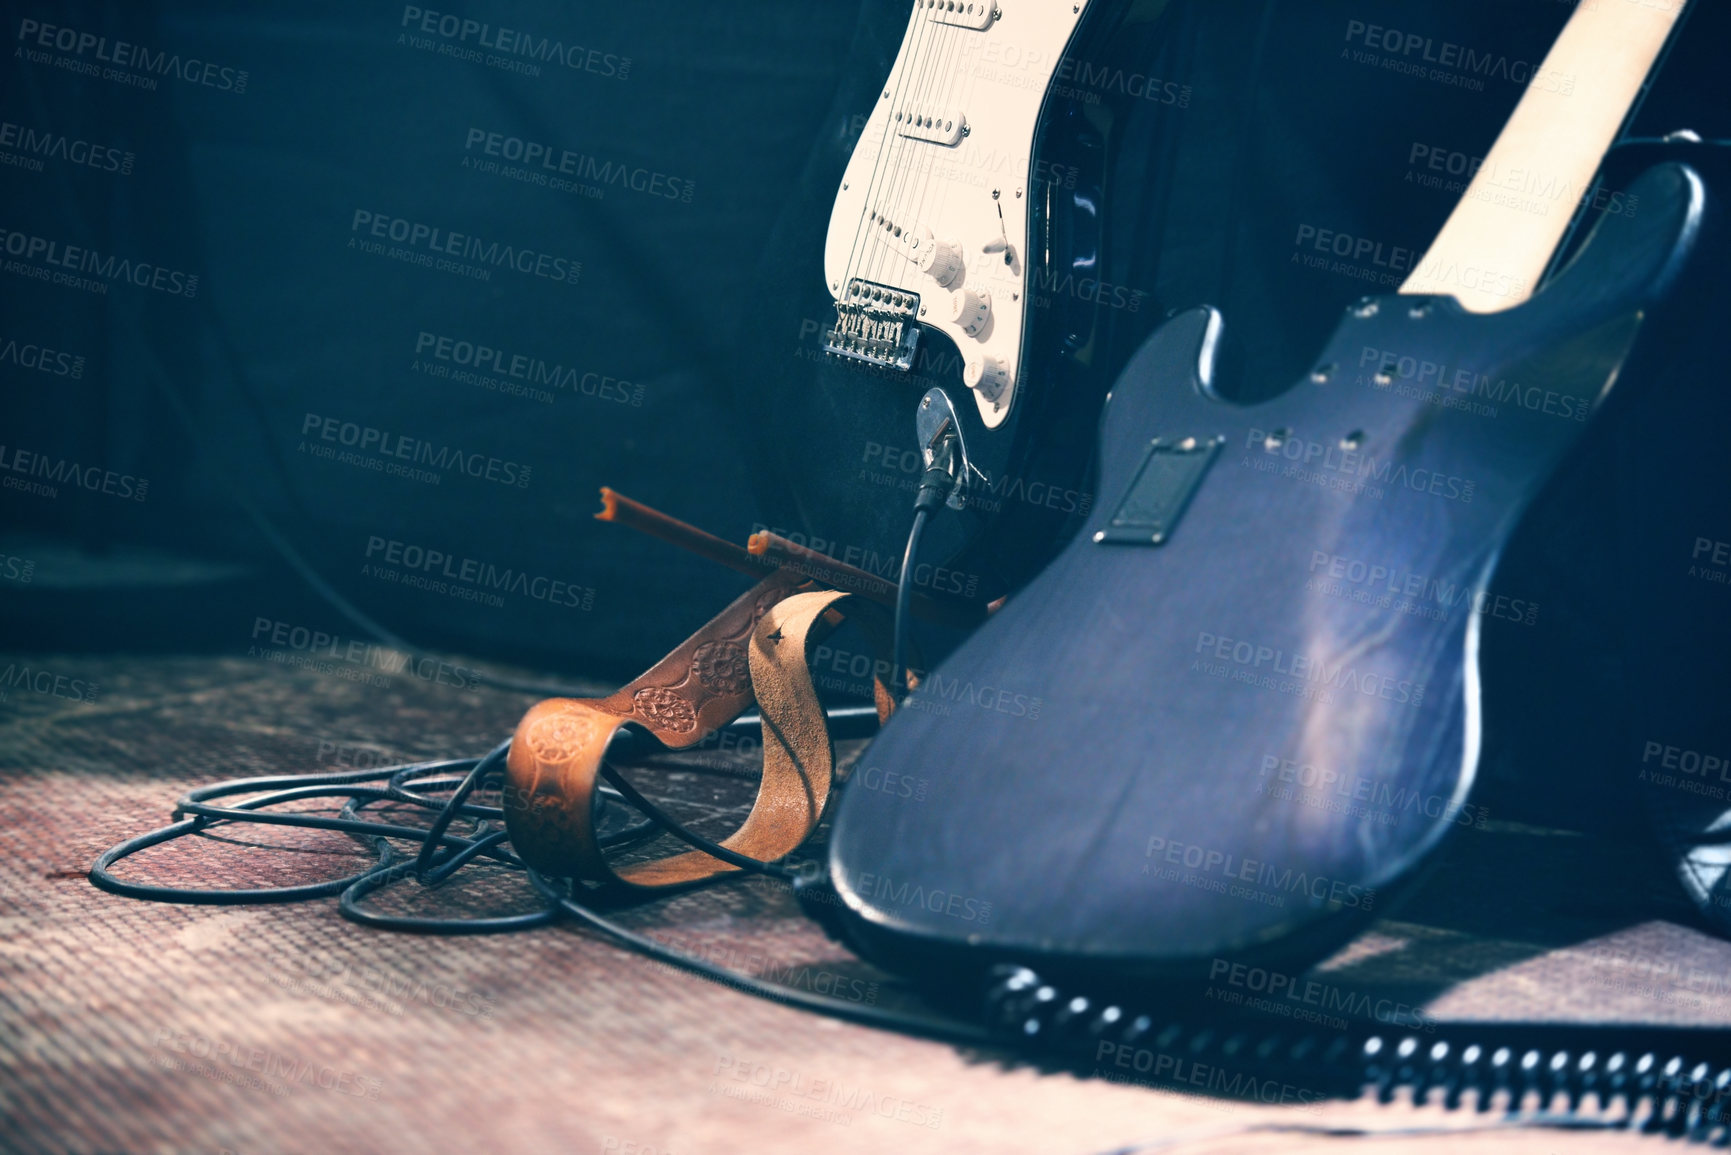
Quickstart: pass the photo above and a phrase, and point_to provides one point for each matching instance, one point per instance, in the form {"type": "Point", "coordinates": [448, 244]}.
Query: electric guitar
{"type": "Point", "coordinates": [916, 260]}
{"type": "Point", "coordinates": [1242, 706]}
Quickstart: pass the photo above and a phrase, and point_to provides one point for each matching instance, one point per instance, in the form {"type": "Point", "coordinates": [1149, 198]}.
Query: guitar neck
{"type": "Point", "coordinates": [1495, 246]}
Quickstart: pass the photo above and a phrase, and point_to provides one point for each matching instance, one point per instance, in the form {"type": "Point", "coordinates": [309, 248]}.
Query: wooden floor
{"type": "Point", "coordinates": [134, 1027]}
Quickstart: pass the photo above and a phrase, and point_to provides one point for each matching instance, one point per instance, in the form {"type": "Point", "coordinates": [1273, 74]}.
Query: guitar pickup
{"type": "Point", "coordinates": [962, 13]}
{"type": "Point", "coordinates": [875, 324]}
{"type": "Point", "coordinates": [945, 128]}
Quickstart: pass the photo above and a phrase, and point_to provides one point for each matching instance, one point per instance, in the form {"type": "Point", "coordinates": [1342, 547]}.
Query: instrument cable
{"type": "Point", "coordinates": [937, 483]}
{"type": "Point", "coordinates": [1670, 1081]}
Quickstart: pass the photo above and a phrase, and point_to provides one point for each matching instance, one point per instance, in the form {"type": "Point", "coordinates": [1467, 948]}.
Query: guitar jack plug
{"type": "Point", "coordinates": [943, 474]}
{"type": "Point", "coordinates": [940, 485]}
{"type": "Point", "coordinates": [942, 445]}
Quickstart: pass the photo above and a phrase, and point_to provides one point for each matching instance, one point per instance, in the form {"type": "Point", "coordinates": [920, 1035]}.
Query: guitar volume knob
{"type": "Point", "coordinates": [941, 260]}
{"type": "Point", "coordinates": [987, 374]}
{"type": "Point", "coordinates": [971, 308]}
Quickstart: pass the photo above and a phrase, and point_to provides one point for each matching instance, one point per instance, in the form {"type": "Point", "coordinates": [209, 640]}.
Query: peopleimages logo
{"type": "Point", "coordinates": [486, 359]}
{"type": "Point", "coordinates": [382, 444]}
{"type": "Point", "coordinates": [30, 355]}
{"type": "Point", "coordinates": [1285, 992]}
{"type": "Point", "coordinates": [271, 1064]}
{"type": "Point", "coordinates": [35, 145]}
{"type": "Point", "coordinates": [1233, 868]}
{"type": "Point", "coordinates": [913, 894]}
{"type": "Point", "coordinates": [1326, 788]}
{"type": "Point", "coordinates": [459, 33]}
{"type": "Point", "coordinates": [431, 241]}
{"type": "Point", "coordinates": [289, 644]}
{"type": "Point", "coordinates": [34, 252]}
{"type": "Point", "coordinates": [62, 471]}
{"type": "Point", "coordinates": [47, 682]}
{"type": "Point", "coordinates": [1309, 669]}
{"type": "Point", "coordinates": [466, 572]}
{"type": "Point", "coordinates": [1391, 367]}
{"type": "Point", "coordinates": [799, 1093]}
{"type": "Point", "coordinates": [551, 161]}
{"type": "Point", "coordinates": [1351, 470]}
{"type": "Point", "coordinates": [124, 55]}
{"type": "Point", "coordinates": [1416, 54]}
{"type": "Point", "coordinates": [926, 576]}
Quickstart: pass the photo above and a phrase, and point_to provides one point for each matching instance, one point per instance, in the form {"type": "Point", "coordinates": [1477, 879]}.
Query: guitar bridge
{"type": "Point", "coordinates": [876, 324]}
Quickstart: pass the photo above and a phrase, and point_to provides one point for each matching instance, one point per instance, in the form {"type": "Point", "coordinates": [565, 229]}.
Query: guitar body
{"type": "Point", "coordinates": [839, 443]}
{"type": "Point", "coordinates": [1240, 708]}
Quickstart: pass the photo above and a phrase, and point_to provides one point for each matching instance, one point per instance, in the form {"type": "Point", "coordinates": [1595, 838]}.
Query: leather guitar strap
{"type": "Point", "coordinates": [759, 643]}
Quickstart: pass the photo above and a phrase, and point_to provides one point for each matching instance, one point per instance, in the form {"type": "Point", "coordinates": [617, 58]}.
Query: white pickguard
{"type": "Point", "coordinates": [916, 169]}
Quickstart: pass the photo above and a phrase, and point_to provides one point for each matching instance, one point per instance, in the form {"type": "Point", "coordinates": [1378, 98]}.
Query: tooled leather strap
{"type": "Point", "coordinates": [759, 642]}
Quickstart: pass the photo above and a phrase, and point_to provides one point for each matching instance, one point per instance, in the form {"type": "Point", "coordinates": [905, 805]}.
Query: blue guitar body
{"type": "Point", "coordinates": [1242, 706]}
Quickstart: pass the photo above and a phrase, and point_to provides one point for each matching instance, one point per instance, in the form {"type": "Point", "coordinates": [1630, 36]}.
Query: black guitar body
{"type": "Point", "coordinates": [841, 450]}
{"type": "Point", "coordinates": [1242, 705]}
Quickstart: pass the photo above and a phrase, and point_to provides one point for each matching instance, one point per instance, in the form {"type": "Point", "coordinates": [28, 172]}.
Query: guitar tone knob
{"type": "Point", "coordinates": [941, 260]}
{"type": "Point", "coordinates": [987, 373]}
{"type": "Point", "coordinates": [971, 308]}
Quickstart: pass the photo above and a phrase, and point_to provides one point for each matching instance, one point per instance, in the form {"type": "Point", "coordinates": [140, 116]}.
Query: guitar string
{"type": "Point", "coordinates": [913, 203]}
{"type": "Point", "coordinates": [906, 210]}
{"type": "Point", "coordinates": [935, 200]}
{"type": "Point", "coordinates": [921, 211]}
{"type": "Point", "coordinates": [917, 37]}
{"type": "Point", "coordinates": [980, 196]}
{"type": "Point", "coordinates": [910, 195]}
{"type": "Point", "coordinates": [887, 255]}
{"type": "Point", "coordinates": [895, 144]}
{"type": "Point", "coordinates": [892, 85]}
{"type": "Point", "coordinates": [987, 168]}
{"type": "Point", "coordinates": [887, 260]}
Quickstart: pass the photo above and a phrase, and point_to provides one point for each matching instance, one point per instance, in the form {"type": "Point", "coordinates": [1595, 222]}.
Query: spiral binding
{"type": "Point", "coordinates": [1674, 1082]}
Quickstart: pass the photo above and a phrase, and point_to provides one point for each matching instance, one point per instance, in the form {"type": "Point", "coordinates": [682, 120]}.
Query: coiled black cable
{"type": "Point", "coordinates": [1669, 1081]}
